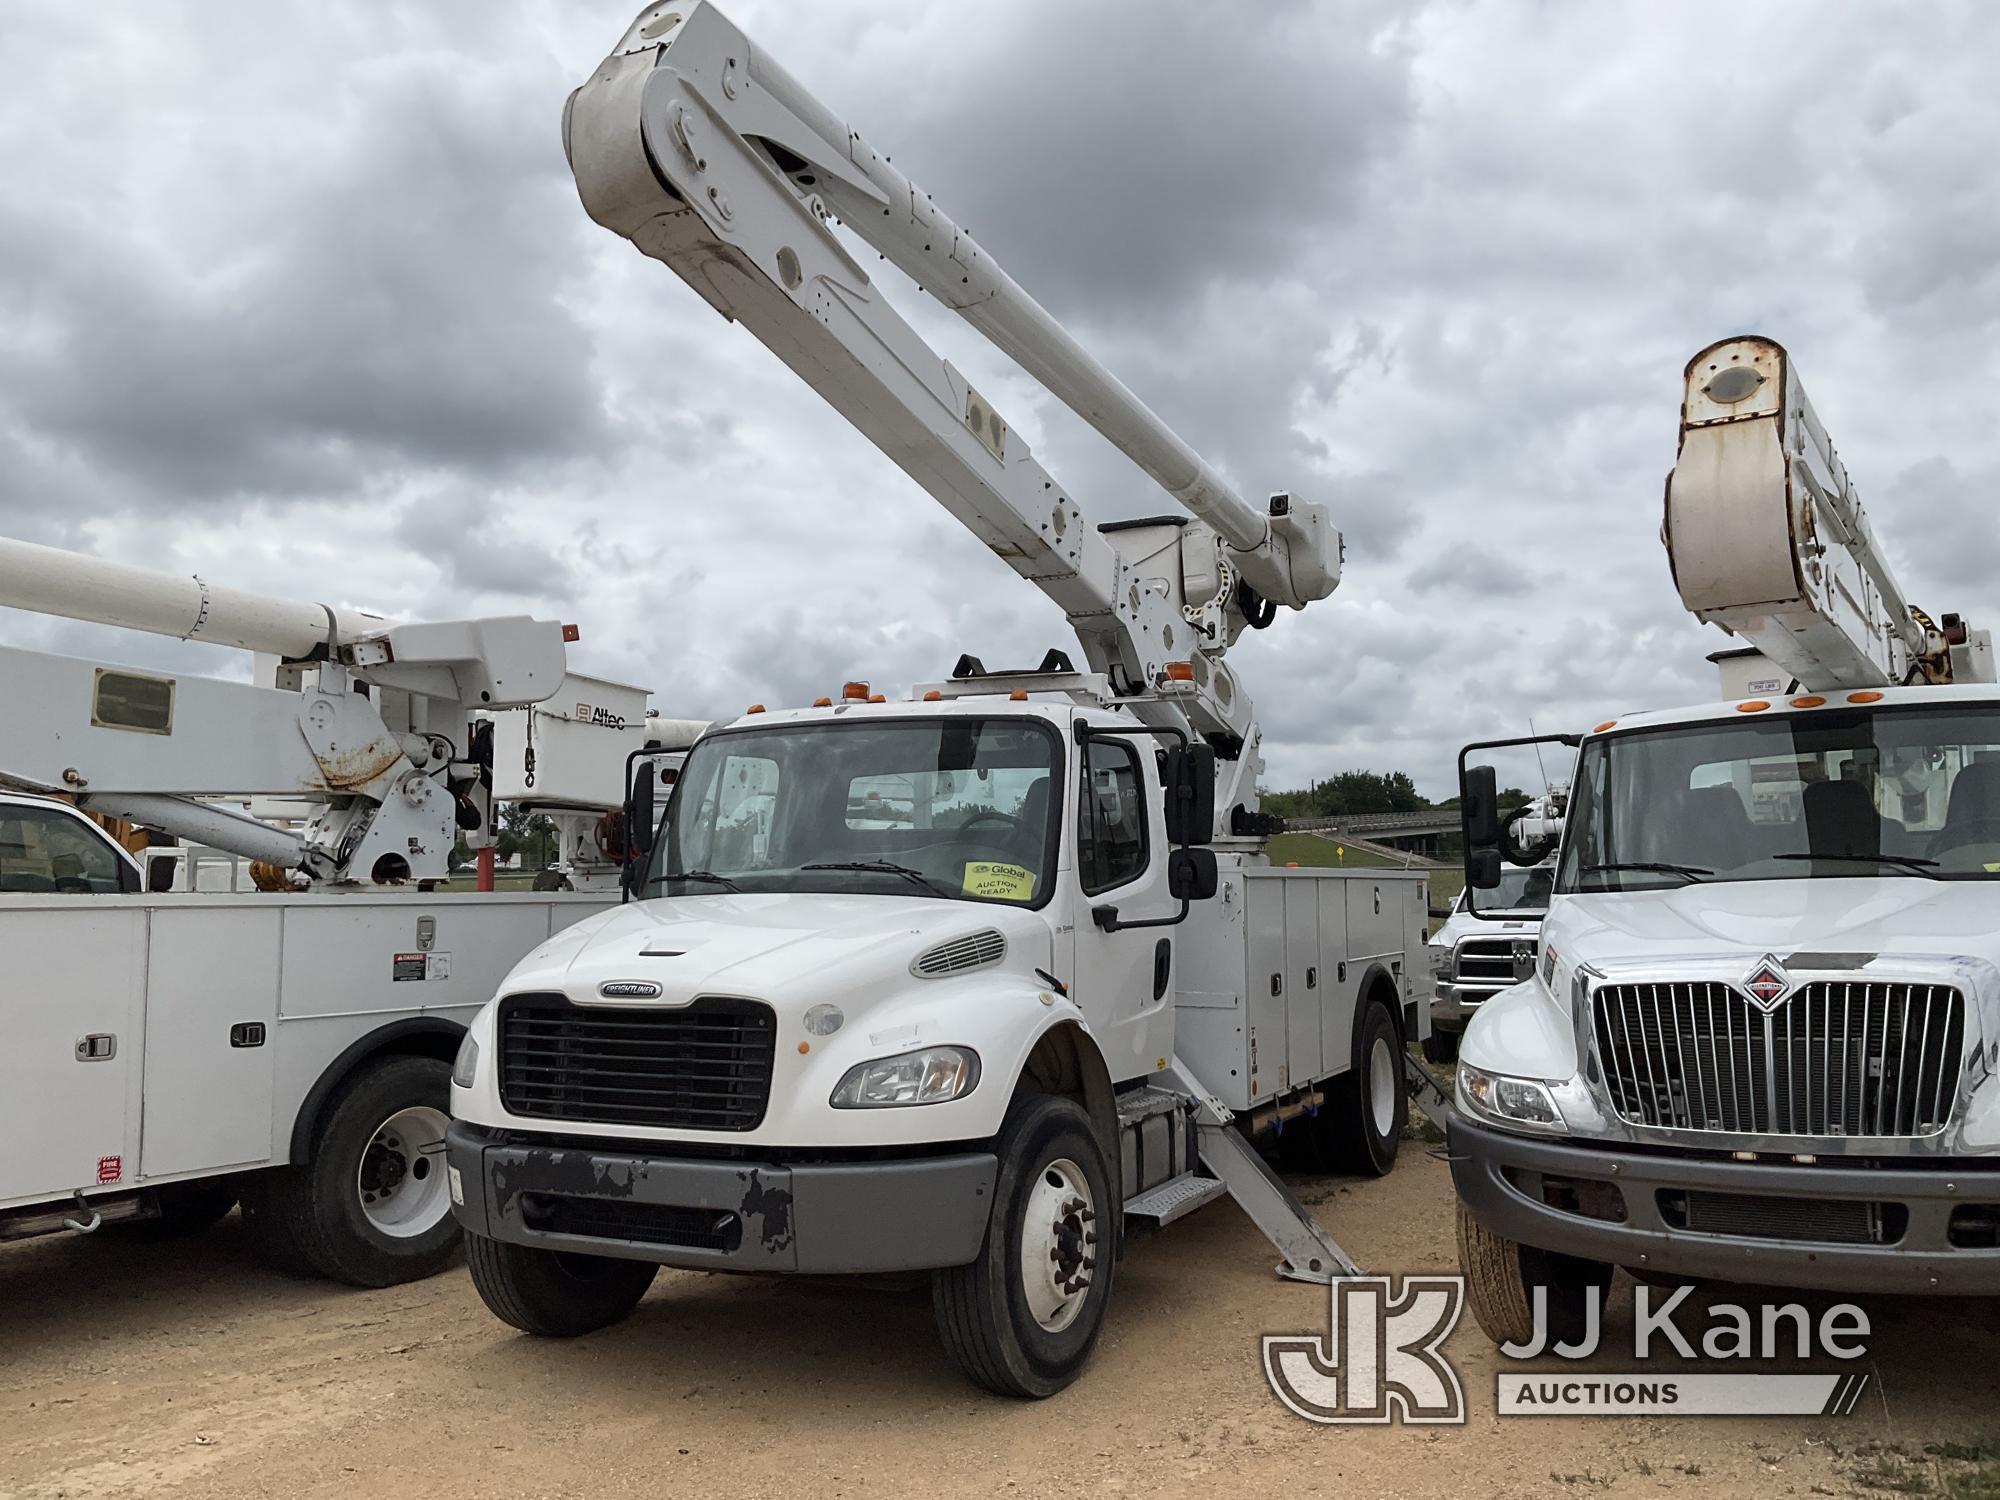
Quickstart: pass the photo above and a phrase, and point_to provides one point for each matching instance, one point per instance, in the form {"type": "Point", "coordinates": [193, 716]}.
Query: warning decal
{"type": "Point", "coordinates": [409, 966]}
{"type": "Point", "coordinates": [998, 882]}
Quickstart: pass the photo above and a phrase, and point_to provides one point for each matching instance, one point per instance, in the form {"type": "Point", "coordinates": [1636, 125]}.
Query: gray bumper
{"type": "Point", "coordinates": [869, 1216]}
{"type": "Point", "coordinates": [1497, 1177]}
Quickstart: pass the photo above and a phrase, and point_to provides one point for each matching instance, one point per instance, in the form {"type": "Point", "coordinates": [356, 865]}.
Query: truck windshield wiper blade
{"type": "Point", "coordinates": [882, 867]}
{"type": "Point", "coordinates": [708, 875]}
{"type": "Point", "coordinates": [1692, 872]}
{"type": "Point", "coordinates": [1915, 864]}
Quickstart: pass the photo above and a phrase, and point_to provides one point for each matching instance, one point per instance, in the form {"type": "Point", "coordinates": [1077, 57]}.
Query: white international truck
{"type": "Point", "coordinates": [1762, 1041]}
{"type": "Point", "coordinates": [964, 983]}
{"type": "Point", "coordinates": [165, 1053]}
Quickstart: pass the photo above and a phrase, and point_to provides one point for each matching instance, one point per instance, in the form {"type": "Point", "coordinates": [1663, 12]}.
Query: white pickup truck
{"type": "Point", "coordinates": [1473, 958]}
{"type": "Point", "coordinates": [163, 1055]}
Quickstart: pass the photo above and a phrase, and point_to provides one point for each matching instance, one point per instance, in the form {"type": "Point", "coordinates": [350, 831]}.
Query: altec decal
{"type": "Point", "coordinates": [1767, 985]}
{"type": "Point", "coordinates": [602, 717]}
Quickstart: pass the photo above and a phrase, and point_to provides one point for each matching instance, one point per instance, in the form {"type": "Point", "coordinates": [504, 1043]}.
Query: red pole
{"type": "Point", "coordinates": [484, 880]}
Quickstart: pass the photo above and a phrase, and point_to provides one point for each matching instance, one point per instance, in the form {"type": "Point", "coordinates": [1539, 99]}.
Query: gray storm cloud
{"type": "Point", "coordinates": [310, 306]}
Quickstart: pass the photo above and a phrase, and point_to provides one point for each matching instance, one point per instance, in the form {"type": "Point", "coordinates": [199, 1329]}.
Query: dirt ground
{"type": "Point", "coordinates": [190, 1370]}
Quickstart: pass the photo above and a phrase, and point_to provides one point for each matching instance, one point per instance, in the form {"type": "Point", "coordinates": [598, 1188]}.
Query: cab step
{"type": "Point", "coordinates": [1158, 1207]}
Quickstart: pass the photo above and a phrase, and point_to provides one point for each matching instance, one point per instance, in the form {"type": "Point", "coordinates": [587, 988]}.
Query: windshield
{"type": "Point", "coordinates": [1520, 889]}
{"type": "Point", "coordinates": [958, 807]}
{"type": "Point", "coordinates": [1841, 794]}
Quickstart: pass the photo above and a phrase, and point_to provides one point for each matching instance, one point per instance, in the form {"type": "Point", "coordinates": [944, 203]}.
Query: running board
{"type": "Point", "coordinates": [1158, 1207]}
{"type": "Point", "coordinates": [1309, 1252]}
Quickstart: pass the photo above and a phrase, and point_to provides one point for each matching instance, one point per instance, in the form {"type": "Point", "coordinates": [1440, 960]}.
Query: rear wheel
{"type": "Point", "coordinates": [1360, 1127]}
{"type": "Point", "coordinates": [1500, 1280]}
{"type": "Point", "coordinates": [553, 1293]}
{"type": "Point", "coordinates": [1023, 1318]}
{"type": "Point", "coordinates": [369, 1206]}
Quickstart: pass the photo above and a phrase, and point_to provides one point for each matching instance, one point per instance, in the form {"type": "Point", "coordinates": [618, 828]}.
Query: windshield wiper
{"type": "Point", "coordinates": [1915, 864]}
{"type": "Point", "coordinates": [1690, 872]}
{"type": "Point", "coordinates": [882, 867]}
{"type": "Point", "coordinates": [708, 875]}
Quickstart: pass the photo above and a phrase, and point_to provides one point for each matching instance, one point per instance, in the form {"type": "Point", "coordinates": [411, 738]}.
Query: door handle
{"type": "Point", "coordinates": [99, 1046]}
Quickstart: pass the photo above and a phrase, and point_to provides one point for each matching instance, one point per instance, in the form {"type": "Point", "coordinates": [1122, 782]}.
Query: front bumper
{"type": "Point", "coordinates": [1506, 1180]}
{"type": "Point", "coordinates": [710, 1215]}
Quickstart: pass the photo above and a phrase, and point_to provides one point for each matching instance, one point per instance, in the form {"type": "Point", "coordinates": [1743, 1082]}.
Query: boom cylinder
{"type": "Point", "coordinates": [50, 581]}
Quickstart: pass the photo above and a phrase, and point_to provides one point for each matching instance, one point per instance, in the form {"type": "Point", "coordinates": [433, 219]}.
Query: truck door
{"type": "Point", "coordinates": [73, 953]}
{"type": "Point", "coordinates": [1124, 979]}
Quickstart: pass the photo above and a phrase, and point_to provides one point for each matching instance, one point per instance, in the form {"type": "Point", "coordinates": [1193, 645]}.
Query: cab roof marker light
{"type": "Point", "coordinates": [755, 708]}
{"type": "Point", "coordinates": [1754, 706]}
{"type": "Point", "coordinates": [1607, 724]}
{"type": "Point", "coordinates": [822, 703]}
{"type": "Point", "coordinates": [857, 691]}
{"type": "Point", "coordinates": [1810, 700]}
{"type": "Point", "coordinates": [1870, 697]}
{"type": "Point", "coordinates": [933, 696]}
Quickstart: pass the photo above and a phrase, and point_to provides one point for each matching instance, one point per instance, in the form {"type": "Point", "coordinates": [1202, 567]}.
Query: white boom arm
{"type": "Point", "coordinates": [695, 145]}
{"type": "Point", "coordinates": [395, 767]}
{"type": "Point", "coordinates": [1767, 538]}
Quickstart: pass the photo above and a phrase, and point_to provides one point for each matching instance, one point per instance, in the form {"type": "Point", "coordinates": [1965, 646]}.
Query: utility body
{"type": "Point", "coordinates": [967, 983]}
{"type": "Point", "coordinates": [1759, 1043]}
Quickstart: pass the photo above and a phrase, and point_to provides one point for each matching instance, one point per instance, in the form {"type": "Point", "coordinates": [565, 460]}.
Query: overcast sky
{"type": "Point", "coordinates": [300, 297]}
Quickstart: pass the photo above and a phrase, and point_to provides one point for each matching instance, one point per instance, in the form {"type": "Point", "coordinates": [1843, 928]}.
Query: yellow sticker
{"type": "Point", "coordinates": [1994, 866]}
{"type": "Point", "coordinates": [998, 882]}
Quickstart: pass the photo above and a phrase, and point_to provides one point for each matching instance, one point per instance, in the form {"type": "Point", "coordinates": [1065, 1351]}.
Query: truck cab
{"type": "Point", "coordinates": [1760, 1041]}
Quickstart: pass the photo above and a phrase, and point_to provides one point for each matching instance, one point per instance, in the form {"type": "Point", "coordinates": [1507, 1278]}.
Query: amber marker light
{"type": "Point", "coordinates": [1864, 697]}
{"type": "Point", "coordinates": [854, 690]}
{"type": "Point", "coordinates": [1754, 706]}
{"type": "Point", "coordinates": [822, 703]}
{"type": "Point", "coordinates": [933, 696]}
{"type": "Point", "coordinates": [1810, 700]}
{"type": "Point", "coordinates": [1180, 671]}
{"type": "Point", "coordinates": [1607, 724]}
{"type": "Point", "coordinates": [755, 708]}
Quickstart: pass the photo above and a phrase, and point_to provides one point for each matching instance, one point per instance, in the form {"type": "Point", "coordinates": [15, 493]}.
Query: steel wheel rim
{"type": "Point", "coordinates": [1382, 1091]}
{"type": "Point", "coordinates": [400, 1182]}
{"type": "Point", "coordinates": [1058, 1245]}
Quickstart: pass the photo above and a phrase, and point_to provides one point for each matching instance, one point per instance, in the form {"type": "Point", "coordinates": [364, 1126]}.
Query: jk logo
{"type": "Point", "coordinates": [1380, 1359]}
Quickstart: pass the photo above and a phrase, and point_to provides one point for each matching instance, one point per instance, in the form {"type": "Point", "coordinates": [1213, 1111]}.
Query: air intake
{"type": "Point", "coordinates": [973, 951]}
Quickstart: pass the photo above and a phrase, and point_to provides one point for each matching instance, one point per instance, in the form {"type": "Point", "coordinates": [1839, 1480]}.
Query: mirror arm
{"type": "Point", "coordinates": [1107, 918]}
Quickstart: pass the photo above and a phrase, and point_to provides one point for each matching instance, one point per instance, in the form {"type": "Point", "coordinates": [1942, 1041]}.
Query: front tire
{"type": "Point", "coordinates": [1501, 1275]}
{"type": "Point", "coordinates": [1441, 1047]}
{"type": "Point", "coordinates": [1023, 1318]}
{"type": "Point", "coordinates": [369, 1206]}
{"type": "Point", "coordinates": [554, 1294]}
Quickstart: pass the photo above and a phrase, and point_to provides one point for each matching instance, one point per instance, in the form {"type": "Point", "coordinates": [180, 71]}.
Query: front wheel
{"type": "Point", "coordinates": [552, 1293]}
{"type": "Point", "coordinates": [1500, 1280]}
{"type": "Point", "coordinates": [1441, 1047]}
{"type": "Point", "coordinates": [1023, 1318]}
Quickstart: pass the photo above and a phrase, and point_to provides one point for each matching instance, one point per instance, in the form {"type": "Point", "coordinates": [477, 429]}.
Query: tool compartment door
{"type": "Point", "coordinates": [71, 1032]}
{"type": "Point", "coordinates": [212, 1019]}
{"type": "Point", "coordinates": [1305, 983]}
{"type": "Point", "coordinates": [1340, 980]}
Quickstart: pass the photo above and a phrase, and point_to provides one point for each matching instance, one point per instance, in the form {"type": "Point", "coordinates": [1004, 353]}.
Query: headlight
{"type": "Point", "coordinates": [929, 1076]}
{"type": "Point", "coordinates": [1508, 1101]}
{"type": "Point", "coordinates": [466, 1063]}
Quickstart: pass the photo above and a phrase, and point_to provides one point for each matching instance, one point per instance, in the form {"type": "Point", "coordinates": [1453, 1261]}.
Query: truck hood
{"type": "Point", "coordinates": [1864, 916]}
{"type": "Point", "coordinates": [766, 945]}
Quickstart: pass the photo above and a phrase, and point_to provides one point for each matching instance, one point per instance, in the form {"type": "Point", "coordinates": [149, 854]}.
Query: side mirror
{"type": "Point", "coordinates": [1191, 874]}
{"type": "Point", "coordinates": [1190, 794]}
{"type": "Point", "coordinates": [1479, 817]}
{"type": "Point", "coordinates": [640, 817]}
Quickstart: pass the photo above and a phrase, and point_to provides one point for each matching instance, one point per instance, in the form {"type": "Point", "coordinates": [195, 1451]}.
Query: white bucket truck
{"type": "Point", "coordinates": [1762, 1041]}
{"type": "Point", "coordinates": [962, 984]}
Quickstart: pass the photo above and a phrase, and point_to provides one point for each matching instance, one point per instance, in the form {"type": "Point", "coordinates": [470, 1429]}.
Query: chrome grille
{"type": "Point", "coordinates": [1833, 1059]}
{"type": "Point", "coordinates": [973, 951]}
{"type": "Point", "coordinates": [1493, 958]}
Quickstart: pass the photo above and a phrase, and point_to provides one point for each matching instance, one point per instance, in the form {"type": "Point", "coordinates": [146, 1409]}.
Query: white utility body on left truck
{"type": "Point", "coordinates": [163, 1055]}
